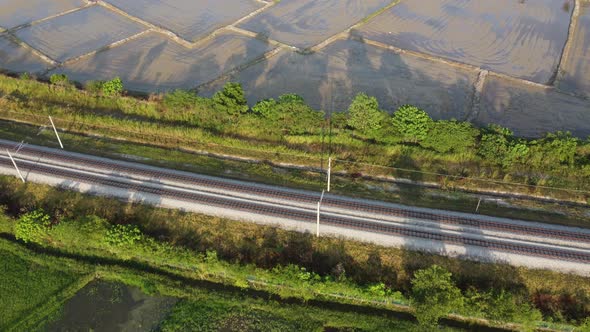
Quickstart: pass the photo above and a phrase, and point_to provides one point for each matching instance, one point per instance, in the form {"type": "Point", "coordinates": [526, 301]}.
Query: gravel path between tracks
{"type": "Point", "coordinates": [305, 203]}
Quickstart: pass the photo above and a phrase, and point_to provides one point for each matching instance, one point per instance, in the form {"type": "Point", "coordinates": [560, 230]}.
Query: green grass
{"type": "Point", "coordinates": [211, 316]}
{"type": "Point", "coordinates": [26, 285]}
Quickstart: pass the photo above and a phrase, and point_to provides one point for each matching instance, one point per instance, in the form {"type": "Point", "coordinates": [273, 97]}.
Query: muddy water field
{"type": "Point", "coordinates": [524, 64]}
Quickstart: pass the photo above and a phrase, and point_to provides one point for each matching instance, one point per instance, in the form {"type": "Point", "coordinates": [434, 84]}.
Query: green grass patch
{"type": "Point", "coordinates": [26, 285]}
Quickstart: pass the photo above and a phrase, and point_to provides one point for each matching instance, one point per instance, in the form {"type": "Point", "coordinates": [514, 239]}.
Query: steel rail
{"type": "Point", "coordinates": [331, 201]}
{"type": "Point", "coordinates": [305, 215]}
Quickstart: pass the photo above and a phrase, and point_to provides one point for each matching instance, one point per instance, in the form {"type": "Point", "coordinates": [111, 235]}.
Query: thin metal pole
{"type": "Point", "coordinates": [55, 130]}
{"type": "Point", "coordinates": [317, 228]}
{"type": "Point", "coordinates": [14, 163]}
{"type": "Point", "coordinates": [478, 202]}
{"type": "Point", "coordinates": [329, 171]}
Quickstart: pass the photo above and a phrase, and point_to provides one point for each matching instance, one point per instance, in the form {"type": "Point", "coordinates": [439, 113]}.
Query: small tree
{"type": "Point", "coordinates": [231, 99]}
{"type": "Point", "coordinates": [411, 124]}
{"type": "Point", "coordinates": [32, 226]}
{"type": "Point", "coordinates": [434, 295]}
{"type": "Point", "coordinates": [364, 115]}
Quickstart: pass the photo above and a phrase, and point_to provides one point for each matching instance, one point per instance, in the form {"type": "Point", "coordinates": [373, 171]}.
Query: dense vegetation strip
{"type": "Point", "coordinates": [288, 264]}
{"type": "Point", "coordinates": [409, 143]}
{"type": "Point", "coordinates": [213, 308]}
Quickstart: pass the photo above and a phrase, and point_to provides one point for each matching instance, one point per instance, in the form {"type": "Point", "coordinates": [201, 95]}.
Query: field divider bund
{"type": "Point", "coordinates": [35, 51]}
{"type": "Point", "coordinates": [98, 50]}
{"type": "Point", "coordinates": [568, 44]}
{"type": "Point", "coordinates": [344, 34]}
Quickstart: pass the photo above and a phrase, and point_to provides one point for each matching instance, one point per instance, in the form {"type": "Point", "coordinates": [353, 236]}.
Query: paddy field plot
{"type": "Point", "coordinates": [15, 58]}
{"type": "Point", "coordinates": [330, 78]}
{"type": "Point", "coordinates": [522, 39]}
{"type": "Point", "coordinates": [190, 19]}
{"type": "Point", "coordinates": [304, 23]}
{"type": "Point", "coordinates": [532, 111]}
{"type": "Point", "coordinates": [576, 70]}
{"type": "Point", "coordinates": [14, 13]}
{"type": "Point", "coordinates": [79, 33]}
{"type": "Point", "coordinates": [153, 62]}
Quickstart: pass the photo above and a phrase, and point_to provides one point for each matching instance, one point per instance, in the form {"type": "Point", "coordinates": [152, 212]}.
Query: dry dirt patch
{"type": "Point", "coordinates": [519, 38]}
{"type": "Point", "coordinates": [347, 67]}
{"type": "Point", "coordinates": [576, 72]}
{"type": "Point", "coordinates": [530, 110]}
{"type": "Point", "coordinates": [17, 12]}
{"type": "Point", "coordinates": [15, 58]}
{"type": "Point", "coordinates": [153, 62]}
{"type": "Point", "coordinates": [79, 33]}
{"type": "Point", "coordinates": [190, 19]}
{"type": "Point", "coordinates": [304, 23]}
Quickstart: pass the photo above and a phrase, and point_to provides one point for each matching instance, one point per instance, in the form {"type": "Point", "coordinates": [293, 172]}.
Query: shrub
{"type": "Point", "coordinates": [93, 86]}
{"type": "Point", "coordinates": [266, 108]}
{"type": "Point", "coordinates": [411, 124]}
{"type": "Point", "coordinates": [119, 235]}
{"type": "Point", "coordinates": [180, 99]}
{"type": "Point", "coordinates": [113, 87]}
{"type": "Point", "coordinates": [447, 136]}
{"type": "Point", "coordinates": [434, 295]}
{"type": "Point", "coordinates": [494, 144]}
{"type": "Point", "coordinates": [32, 226]}
{"type": "Point", "coordinates": [59, 79]}
{"type": "Point", "coordinates": [554, 149]}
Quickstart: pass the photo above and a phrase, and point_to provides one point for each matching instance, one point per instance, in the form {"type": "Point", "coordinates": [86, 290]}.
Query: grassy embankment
{"type": "Point", "coordinates": [296, 134]}
{"type": "Point", "coordinates": [131, 119]}
{"type": "Point", "coordinates": [191, 247]}
{"type": "Point", "coordinates": [36, 277]}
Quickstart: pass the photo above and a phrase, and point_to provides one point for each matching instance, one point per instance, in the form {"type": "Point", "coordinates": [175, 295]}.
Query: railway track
{"type": "Point", "coordinates": [99, 172]}
{"type": "Point", "coordinates": [112, 166]}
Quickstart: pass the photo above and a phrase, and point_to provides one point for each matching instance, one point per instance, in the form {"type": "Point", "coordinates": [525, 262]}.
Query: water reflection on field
{"type": "Point", "coordinates": [104, 306]}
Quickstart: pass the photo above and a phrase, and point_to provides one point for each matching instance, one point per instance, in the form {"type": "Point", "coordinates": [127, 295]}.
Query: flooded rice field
{"type": "Point", "coordinates": [78, 33]}
{"type": "Point", "coordinates": [430, 53]}
{"type": "Point", "coordinates": [304, 23]}
{"type": "Point", "coordinates": [14, 13]}
{"type": "Point", "coordinates": [531, 110]}
{"type": "Point", "coordinates": [104, 306]}
{"type": "Point", "coordinates": [153, 62]}
{"type": "Point", "coordinates": [518, 38]}
{"type": "Point", "coordinates": [16, 58]}
{"type": "Point", "coordinates": [190, 19]}
{"type": "Point", "coordinates": [576, 69]}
